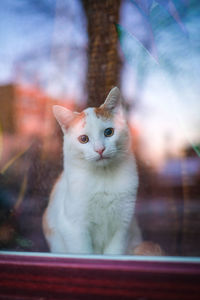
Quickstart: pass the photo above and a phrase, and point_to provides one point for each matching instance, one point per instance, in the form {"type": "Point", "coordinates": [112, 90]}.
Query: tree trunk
{"type": "Point", "coordinates": [103, 60]}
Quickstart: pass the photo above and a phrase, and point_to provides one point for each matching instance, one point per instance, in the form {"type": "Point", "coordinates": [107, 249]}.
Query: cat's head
{"type": "Point", "coordinates": [100, 135]}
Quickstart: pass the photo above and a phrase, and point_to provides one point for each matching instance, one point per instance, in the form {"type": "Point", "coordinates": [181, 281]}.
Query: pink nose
{"type": "Point", "coordinates": [100, 150]}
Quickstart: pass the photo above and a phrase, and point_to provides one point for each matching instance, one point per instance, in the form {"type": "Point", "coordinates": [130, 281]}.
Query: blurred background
{"type": "Point", "coordinates": [72, 53]}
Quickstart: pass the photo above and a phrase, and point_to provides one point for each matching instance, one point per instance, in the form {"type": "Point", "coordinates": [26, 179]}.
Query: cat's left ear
{"type": "Point", "coordinates": [63, 115]}
{"type": "Point", "coordinates": [113, 100]}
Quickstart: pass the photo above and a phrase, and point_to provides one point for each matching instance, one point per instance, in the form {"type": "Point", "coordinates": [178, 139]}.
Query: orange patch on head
{"type": "Point", "coordinates": [77, 118]}
{"type": "Point", "coordinates": [102, 112]}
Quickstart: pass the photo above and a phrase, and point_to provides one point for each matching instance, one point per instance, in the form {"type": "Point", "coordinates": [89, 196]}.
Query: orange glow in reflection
{"type": "Point", "coordinates": [34, 111]}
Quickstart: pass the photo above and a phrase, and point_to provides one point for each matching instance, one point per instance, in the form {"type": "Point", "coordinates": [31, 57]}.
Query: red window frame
{"type": "Point", "coordinates": [44, 277]}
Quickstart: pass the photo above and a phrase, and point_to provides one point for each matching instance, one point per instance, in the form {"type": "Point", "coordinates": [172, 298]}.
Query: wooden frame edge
{"type": "Point", "coordinates": [33, 277]}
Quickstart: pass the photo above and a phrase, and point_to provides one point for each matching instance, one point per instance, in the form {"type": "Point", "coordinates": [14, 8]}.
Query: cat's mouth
{"type": "Point", "coordinates": [101, 158]}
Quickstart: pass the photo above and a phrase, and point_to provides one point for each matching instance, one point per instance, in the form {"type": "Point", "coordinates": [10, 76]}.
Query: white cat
{"type": "Point", "coordinates": [92, 204]}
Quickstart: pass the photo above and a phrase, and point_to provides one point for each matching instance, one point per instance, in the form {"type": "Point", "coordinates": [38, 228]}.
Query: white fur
{"type": "Point", "coordinates": [92, 204]}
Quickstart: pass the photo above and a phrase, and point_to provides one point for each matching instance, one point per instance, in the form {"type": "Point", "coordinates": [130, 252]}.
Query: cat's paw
{"type": "Point", "coordinates": [148, 249]}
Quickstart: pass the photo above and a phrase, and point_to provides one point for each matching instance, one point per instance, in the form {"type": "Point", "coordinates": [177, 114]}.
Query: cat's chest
{"type": "Point", "coordinates": [102, 190]}
{"type": "Point", "coordinates": [108, 184]}
{"type": "Point", "coordinates": [88, 184]}
{"type": "Point", "coordinates": [105, 197]}
{"type": "Point", "coordinates": [104, 208]}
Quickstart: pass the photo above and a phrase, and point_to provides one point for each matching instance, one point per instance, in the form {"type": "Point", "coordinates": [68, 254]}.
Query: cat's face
{"type": "Point", "coordinates": [98, 136]}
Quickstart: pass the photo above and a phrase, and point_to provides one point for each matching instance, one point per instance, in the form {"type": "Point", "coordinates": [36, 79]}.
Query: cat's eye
{"type": "Point", "coordinates": [83, 139]}
{"type": "Point", "coordinates": [108, 132]}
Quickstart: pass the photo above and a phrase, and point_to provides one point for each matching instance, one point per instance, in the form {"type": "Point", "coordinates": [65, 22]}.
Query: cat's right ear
{"type": "Point", "coordinates": [63, 115]}
{"type": "Point", "coordinates": [113, 99]}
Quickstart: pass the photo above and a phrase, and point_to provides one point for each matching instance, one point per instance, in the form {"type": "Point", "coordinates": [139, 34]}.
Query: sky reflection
{"type": "Point", "coordinates": [165, 76]}
{"type": "Point", "coordinates": [44, 43]}
{"type": "Point", "coordinates": [43, 56]}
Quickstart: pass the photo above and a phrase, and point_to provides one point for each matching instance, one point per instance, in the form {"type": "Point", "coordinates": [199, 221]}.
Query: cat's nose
{"type": "Point", "coordinates": [100, 150]}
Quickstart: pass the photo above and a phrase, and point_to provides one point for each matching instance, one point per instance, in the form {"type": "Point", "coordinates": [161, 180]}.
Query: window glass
{"type": "Point", "coordinates": [71, 53]}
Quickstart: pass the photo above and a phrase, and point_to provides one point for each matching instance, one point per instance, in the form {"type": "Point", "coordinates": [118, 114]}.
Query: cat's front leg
{"type": "Point", "coordinates": [69, 238]}
{"type": "Point", "coordinates": [76, 238]}
{"type": "Point", "coordinates": [56, 243]}
{"type": "Point", "coordinates": [118, 243]}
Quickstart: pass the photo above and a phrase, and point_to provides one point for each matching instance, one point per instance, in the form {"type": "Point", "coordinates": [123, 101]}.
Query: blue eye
{"type": "Point", "coordinates": [83, 139]}
{"type": "Point", "coordinates": [108, 132]}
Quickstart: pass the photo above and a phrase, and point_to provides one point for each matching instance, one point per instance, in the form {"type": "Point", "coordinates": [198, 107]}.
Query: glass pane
{"type": "Point", "coordinates": [71, 54]}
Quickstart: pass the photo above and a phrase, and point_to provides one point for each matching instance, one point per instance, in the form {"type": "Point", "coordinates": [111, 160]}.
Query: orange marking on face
{"type": "Point", "coordinates": [102, 112]}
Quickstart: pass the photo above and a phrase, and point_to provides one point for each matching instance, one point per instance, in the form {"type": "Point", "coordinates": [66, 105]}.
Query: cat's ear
{"type": "Point", "coordinates": [63, 115]}
{"type": "Point", "coordinates": [113, 99]}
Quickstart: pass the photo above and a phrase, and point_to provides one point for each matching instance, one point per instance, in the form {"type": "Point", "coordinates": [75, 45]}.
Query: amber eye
{"type": "Point", "coordinates": [108, 132]}
{"type": "Point", "coordinates": [83, 139]}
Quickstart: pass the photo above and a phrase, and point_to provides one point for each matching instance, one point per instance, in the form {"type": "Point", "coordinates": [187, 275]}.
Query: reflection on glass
{"type": "Point", "coordinates": [159, 51]}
